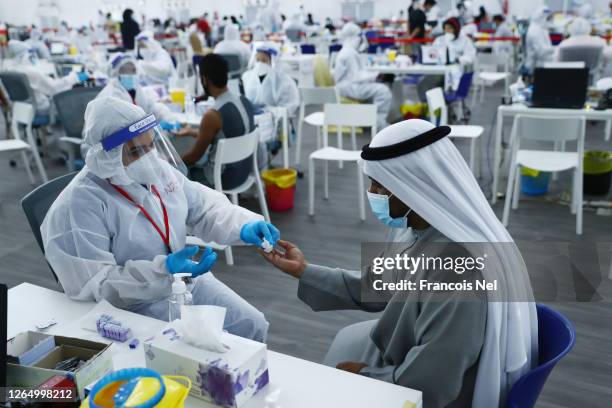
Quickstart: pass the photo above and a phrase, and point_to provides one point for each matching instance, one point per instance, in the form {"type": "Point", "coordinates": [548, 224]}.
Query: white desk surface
{"type": "Point", "coordinates": [416, 69]}
{"type": "Point", "coordinates": [303, 384]}
{"type": "Point", "coordinates": [589, 113]}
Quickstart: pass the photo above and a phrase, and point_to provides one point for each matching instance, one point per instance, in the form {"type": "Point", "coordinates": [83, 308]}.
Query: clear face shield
{"type": "Point", "coordinates": [147, 156]}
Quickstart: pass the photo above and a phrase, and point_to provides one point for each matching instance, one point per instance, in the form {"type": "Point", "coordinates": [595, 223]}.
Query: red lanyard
{"type": "Point", "coordinates": [166, 237]}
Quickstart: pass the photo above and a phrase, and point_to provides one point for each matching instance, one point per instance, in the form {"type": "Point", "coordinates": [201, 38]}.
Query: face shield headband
{"type": "Point", "coordinates": [128, 133]}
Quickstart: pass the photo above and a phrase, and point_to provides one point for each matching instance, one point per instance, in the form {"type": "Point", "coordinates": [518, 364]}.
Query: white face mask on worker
{"type": "Point", "coordinates": [145, 170]}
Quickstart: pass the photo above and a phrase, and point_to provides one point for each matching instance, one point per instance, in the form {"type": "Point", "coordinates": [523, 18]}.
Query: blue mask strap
{"type": "Point", "coordinates": [128, 133]}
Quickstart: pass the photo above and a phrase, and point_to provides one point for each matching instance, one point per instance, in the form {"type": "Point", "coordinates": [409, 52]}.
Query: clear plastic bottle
{"type": "Point", "coordinates": [180, 296]}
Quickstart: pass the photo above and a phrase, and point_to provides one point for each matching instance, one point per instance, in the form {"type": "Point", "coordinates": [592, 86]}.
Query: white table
{"type": "Point", "coordinates": [278, 112]}
{"type": "Point", "coordinates": [416, 69]}
{"type": "Point", "coordinates": [303, 384]}
{"type": "Point", "coordinates": [517, 109]}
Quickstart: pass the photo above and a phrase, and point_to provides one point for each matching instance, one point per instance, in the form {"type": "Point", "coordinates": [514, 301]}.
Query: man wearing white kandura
{"type": "Point", "coordinates": [460, 349]}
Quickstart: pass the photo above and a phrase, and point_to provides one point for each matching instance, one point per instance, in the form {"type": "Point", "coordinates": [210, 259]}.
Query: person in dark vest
{"type": "Point", "coordinates": [230, 116]}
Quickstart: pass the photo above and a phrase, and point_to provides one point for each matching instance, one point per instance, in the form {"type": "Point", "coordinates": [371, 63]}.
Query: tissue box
{"type": "Point", "coordinates": [26, 347]}
{"type": "Point", "coordinates": [227, 379]}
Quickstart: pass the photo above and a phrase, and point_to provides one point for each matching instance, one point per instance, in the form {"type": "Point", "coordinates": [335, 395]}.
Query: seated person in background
{"type": "Point", "coordinates": [117, 231]}
{"type": "Point", "coordinates": [459, 50]}
{"type": "Point", "coordinates": [232, 44]}
{"type": "Point", "coordinates": [156, 66]}
{"type": "Point", "coordinates": [353, 80]}
{"type": "Point", "coordinates": [461, 349]}
{"type": "Point", "coordinates": [37, 42]}
{"type": "Point", "coordinates": [124, 85]}
{"type": "Point", "coordinates": [502, 30]}
{"type": "Point", "coordinates": [266, 85]}
{"type": "Point", "coordinates": [230, 116]}
{"type": "Point", "coordinates": [538, 47]}
{"type": "Point", "coordinates": [580, 36]}
{"type": "Point", "coordinates": [44, 86]}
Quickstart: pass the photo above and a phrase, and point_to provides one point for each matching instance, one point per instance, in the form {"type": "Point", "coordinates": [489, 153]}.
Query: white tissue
{"type": "Point", "coordinates": [202, 326]}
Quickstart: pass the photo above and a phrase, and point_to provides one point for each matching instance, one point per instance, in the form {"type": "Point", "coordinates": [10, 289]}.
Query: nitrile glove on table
{"type": "Point", "coordinates": [227, 379]}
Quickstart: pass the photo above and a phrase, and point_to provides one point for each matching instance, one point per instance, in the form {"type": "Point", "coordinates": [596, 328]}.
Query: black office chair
{"type": "Point", "coordinates": [234, 65]}
{"type": "Point", "coordinates": [38, 201]}
{"type": "Point", "coordinates": [70, 107]}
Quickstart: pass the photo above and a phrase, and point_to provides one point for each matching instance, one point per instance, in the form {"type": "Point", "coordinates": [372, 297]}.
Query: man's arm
{"type": "Point", "coordinates": [209, 127]}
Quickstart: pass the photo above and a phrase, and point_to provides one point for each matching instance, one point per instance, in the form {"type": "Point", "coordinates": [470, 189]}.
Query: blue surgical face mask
{"type": "Point", "coordinates": [128, 81]}
{"type": "Point", "coordinates": [379, 203]}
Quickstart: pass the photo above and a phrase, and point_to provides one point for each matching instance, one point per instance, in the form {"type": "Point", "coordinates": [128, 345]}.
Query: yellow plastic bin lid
{"type": "Point", "coordinates": [283, 178]}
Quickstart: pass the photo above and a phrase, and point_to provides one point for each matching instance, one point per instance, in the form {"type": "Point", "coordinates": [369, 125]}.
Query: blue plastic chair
{"type": "Point", "coordinates": [556, 337]}
{"type": "Point", "coordinates": [335, 47]}
{"type": "Point", "coordinates": [463, 90]}
{"type": "Point", "coordinates": [308, 48]}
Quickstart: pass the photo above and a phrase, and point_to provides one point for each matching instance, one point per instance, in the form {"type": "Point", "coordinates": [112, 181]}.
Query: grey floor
{"type": "Point", "coordinates": [333, 237]}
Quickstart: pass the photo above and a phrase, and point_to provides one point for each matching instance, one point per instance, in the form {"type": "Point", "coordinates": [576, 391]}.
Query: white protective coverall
{"type": "Point", "coordinates": [156, 65]}
{"type": "Point", "coordinates": [539, 48]}
{"type": "Point", "coordinates": [232, 44]}
{"type": "Point", "coordinates": [37, 42]}
{"type": "Point", "coordinates": [143, 98]}
{"type": "Point", "coordinates": [354, 81]}
{"type": "Point", "coordinates": [44, 86]}
{"type": "Point", "coordinates": [277, 87]}
{"type": "Point", "coordinates": [580, 36]}
{"type": "Point", "coordinates": [102, 246]}
{"type": "Point", "coordinates": [461, 50]}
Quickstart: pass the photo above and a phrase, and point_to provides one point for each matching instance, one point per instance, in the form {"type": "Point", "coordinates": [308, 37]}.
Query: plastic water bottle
{"type": "Point", "coordinates": [180, 296]}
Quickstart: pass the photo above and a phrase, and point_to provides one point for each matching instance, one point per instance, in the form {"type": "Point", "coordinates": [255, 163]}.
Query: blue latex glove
{"type": "Point", "coordinates": [180, 262]}
{"type": "Point", "coordinates": [82, 76]}
{"type": "Point", "coordinates": [255, 231]}
{"type": "Point", "coordinates": [169, 125]}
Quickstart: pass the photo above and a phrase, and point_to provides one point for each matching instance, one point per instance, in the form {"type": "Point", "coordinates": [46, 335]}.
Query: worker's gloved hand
{"type": "Point", "coordinates": [180, 262]}
{"type": "Point", "coordinates": [254, 233]}
{"type": "Point", "coordinates": [169, 126]}
{"type": "Point", "coordinates": [82, 76]}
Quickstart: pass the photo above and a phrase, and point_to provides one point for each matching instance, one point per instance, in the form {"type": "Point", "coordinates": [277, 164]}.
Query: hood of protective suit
{"type": "Point", "coordinates": [431, 177]}
{"type": "Point", "coordinates": [103, 117]}
{"type": "Point", "coordinates": [152, 45]}
{"type": "Point", "coordinates": [269, 48]}
{"type": "Point", "coordinates": [540, 15]}
{"type": "Point", "coordinates": [118, 61]}
{"type": "Point", "coordinates": [19, 49]}
{"type": "Point", "coordinates": [350, 35]}
{"type": "Point", "coordinates": [232, 32]}
{"type": "Point", "coordinates": [579, 26]}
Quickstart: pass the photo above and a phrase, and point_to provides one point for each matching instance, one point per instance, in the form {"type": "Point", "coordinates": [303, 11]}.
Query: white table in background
{"type": "Point", "coordinates": [416, 69]}
{"type": "Point", "coordinates": [278, 112]}
{"type": "Point", "coordinates": [517, 109]}
{"type": "Point", "coordinates": [303, 384]}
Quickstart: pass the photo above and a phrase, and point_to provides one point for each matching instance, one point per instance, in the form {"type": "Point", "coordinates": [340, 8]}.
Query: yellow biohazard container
{"type": "Point", "coordinates": [177, 96]}
{"type": "Point", "coordinates": [280, 188]}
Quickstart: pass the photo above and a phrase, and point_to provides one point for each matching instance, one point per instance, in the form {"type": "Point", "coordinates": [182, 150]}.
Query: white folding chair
{"type": "Point", "coordinates": [18, 146]}
{"type": "Point", "coordinates": [436, 104]}
{"type": "Point", "coordinates": [308, 97]}
{"type": "Point", "coordinates": [341, 115]}
{"type": "Point", "coordinates": [22, 117]}
{"type": "Point", "coordinates": [232, 150]}
{"type": "Point", "coordinates": [553, 129]}
{"type": "Point", "coordinates": [487, 73]}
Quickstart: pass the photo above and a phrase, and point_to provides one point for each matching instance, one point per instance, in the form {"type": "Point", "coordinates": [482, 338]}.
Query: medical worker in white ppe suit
{"type": "Point", "coordinates": [118, 230]}
{"type": "Point", "coordinates": [353, 80]}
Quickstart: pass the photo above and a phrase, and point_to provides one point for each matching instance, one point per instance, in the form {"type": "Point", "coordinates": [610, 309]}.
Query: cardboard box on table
{"type": "Point", "coordinates": [32, 357]}
{"type": "Point", "coordinates": [227, 379]}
